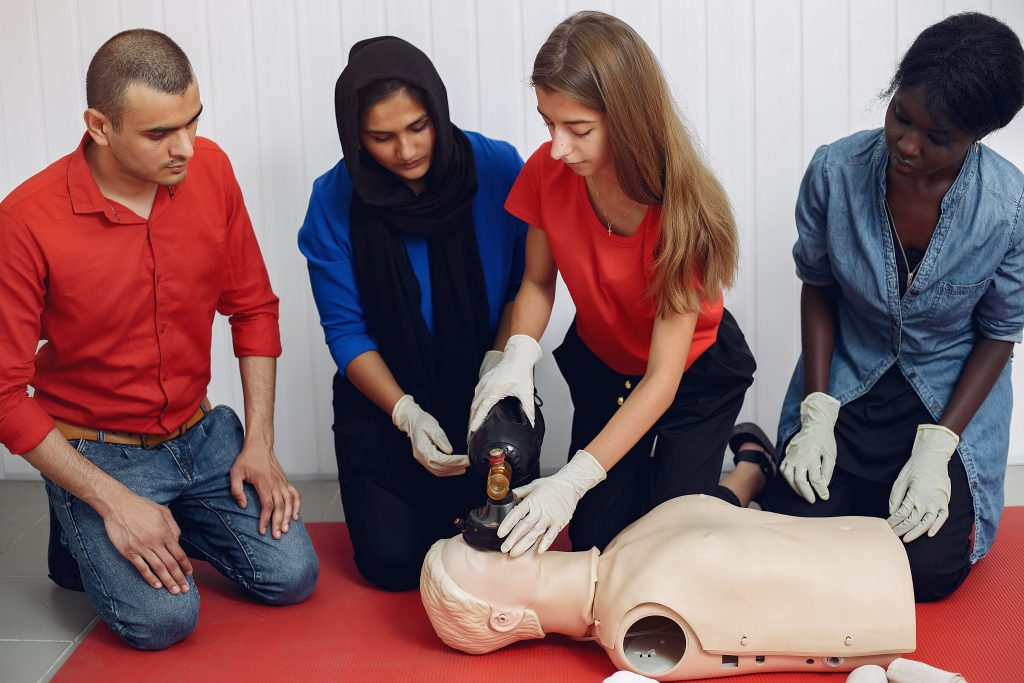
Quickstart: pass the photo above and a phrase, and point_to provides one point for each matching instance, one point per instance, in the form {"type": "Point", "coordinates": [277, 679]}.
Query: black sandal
{"type": "Point", "coordinates": [747, 432]}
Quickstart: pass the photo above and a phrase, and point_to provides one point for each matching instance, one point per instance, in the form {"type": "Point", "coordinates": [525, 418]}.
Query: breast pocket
{"type": "Point", "coordinates": [954, 304]}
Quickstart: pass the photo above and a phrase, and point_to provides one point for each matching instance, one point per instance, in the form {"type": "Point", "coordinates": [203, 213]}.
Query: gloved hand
{"type": "Point", "coordinates": [430, 446]}
{"type": "Point", "coordinates": [811, 455]}
{"type": "Point", "coordinates": [919, 501]}
{"type": "Point", "coordinates": [512, 376]}
{"type": "Point", "coordinates": [547, 505]}
{"type": "Point", "coordinates": [491, 358]}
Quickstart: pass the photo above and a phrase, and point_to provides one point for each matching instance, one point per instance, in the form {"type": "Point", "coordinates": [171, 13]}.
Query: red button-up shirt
{"type": "Point", "coordinates": [125, 305]}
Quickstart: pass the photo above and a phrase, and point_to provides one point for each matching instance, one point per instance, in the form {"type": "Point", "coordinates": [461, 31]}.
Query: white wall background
{"type": "Point", "coordinates": [763, 84]}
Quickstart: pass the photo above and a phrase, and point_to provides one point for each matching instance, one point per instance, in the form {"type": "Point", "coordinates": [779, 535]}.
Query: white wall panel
{"type": "Point", "coordinates": [777, 160]}
{"type": "Point", "coordinates": [684, 58]}
{"type": "Point", "coordinates": [457, 43]}
{"type": "Point", "coordinates": [872, 59]}
{"type": "Point", "coordinates": [731, 142]}
{"type": "Point", "coordinates": [762, 84]}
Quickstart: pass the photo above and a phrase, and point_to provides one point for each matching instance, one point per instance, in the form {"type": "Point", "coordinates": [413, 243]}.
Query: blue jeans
{"type": "Point", "coordinates": [188, 474]}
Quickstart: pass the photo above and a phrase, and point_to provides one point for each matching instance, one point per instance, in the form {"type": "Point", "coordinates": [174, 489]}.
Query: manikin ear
{"type": "Point", "coordinates": [97, 125]}
{"type": "Point", "coordinates": [505, 620]}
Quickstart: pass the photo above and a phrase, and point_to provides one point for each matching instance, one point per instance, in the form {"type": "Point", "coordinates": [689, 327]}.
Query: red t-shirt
{"type": "Point", "coordinates": [607, 275]}
{"type": "Point", "coordinates": [126, 305]}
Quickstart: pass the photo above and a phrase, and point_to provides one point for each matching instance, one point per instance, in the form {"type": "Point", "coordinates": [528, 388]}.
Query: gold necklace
{"type": "Point", "coordinates": [609, 221]}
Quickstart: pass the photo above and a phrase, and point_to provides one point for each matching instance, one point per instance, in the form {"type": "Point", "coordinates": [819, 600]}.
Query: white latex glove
{"type": "Point", "coordinates": [811, 454]}
{"type": "Point", "coordinates": [919, 501]}
{"type": "Point", "coordinates": [547, 505]}
{"type": "Point", "coordinates": [512, 376]}
{"type": "Point", "coordinates": [628, 677]}
{"type": "Point", "coordinates": [430, 446]}
{"type": "Point", "coordinates": [869, 673]}
{"type": "Point", "coordinates": [491, 358]}
{"type": "Point", "coordinates": [908, 671]}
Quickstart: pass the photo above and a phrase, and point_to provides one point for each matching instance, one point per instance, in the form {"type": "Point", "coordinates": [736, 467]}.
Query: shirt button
{"type": "Point", "coordinates": [935, 407]}
{"type": "Point", "coordinates": [620, 400]}
{"type": "Point", "coordinates": [629, 385]}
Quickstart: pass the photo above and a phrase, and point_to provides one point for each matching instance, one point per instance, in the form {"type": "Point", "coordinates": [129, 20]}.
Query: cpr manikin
{"type": "Point", "coordinates": [696, 588]}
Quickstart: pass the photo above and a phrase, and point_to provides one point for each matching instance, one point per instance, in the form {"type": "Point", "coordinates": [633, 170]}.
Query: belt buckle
{"type": "Point", "coordinates": [144, 440]}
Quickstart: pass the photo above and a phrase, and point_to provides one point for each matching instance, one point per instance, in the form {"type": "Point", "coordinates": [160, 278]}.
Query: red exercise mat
{"type": "Point", "coordinates": [348, 631]}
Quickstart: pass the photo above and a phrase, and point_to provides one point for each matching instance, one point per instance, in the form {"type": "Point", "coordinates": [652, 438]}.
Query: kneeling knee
{"type": "Point", "coordinates": [933, 581]}
{"type": "Point", "coordinates": [171, 620]}
{"type": "Point", "coordinates": [289, 582]}
{"type": "Point", "coordinates": [390, 569]}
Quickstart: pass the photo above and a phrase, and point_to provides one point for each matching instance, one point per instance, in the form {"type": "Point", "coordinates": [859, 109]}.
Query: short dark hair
{"type": "Point", "coordinates": [378, 91]}
{"type": "Point", "coordinates": [971, 66]}
{"type": "Point", "coordinates": [141, 56]}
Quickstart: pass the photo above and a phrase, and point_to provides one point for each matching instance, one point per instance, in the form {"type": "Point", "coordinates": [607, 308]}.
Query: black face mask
{"type": "Point", "coordinates": [507, 427]}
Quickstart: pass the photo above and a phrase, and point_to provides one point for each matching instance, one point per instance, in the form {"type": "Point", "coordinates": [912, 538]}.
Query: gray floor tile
{"type": "Point", "coordinates": [9, 533]}
{"type": "Point", "coordinates": [334, 512]}
{"type": "Point", "coordinates": [26, 556]}
{"type": "Point", "coordinates": [317, 497]}
{"type": "Point", "coordinates": [28, 662]}
{"type": "Point", "coordinates": [36, 609]}
{"type": "Point", "coordinates": [1015, 485]}
{"type": "Point", "coordinates": [23, 502]}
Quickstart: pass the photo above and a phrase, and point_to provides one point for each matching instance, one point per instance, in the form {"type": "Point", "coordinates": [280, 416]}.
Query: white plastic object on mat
{"type": "Point", "coordinates": [870, 673]}
{"type": "Point", "coordinates": [908, 671]}
{"type": "Point", "coordinates": [626, 677]}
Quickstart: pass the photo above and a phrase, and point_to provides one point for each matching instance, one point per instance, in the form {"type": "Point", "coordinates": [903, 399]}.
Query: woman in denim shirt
{"type": "Point", "coordinates": [911, 251]}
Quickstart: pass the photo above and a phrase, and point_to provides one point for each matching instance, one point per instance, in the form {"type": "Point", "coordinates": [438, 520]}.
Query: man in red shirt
{"type": "Point", "coordinates": [118, 256]}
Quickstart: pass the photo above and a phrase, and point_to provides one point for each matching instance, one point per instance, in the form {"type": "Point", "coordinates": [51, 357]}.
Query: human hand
{"type": "Point", "coordinates": [919, 501]}
{"type": "Point", "coordinates": [280, 502]}
{"type": "Point", "coordinates": [547, 505]}
{"type": "Point", "coordinates": [512, 376]}
{"type": "Point", "coordinates": [811, 455]}
{"type": "Point", "coordinates": [146, 535]}
{"type": "Point", "coordinates": [430, 445]}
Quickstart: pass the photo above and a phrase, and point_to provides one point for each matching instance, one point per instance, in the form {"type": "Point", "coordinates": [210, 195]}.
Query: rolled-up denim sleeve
{"type": "Point", "coordinates": [1000, 313]}
{"type": "Point", "coordinates": [810, 253]}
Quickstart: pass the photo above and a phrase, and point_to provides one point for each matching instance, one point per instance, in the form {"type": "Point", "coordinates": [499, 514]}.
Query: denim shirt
{"type": "Point", "coordinates": [970, 285]}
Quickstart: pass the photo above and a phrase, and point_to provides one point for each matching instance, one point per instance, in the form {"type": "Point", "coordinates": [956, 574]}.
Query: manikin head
{"type": "Point", "coordinates": [479, 601]}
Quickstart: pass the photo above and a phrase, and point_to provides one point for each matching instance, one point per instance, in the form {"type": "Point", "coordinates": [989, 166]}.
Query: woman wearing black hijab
{"type": "Point", "coordinates": [412, 261]}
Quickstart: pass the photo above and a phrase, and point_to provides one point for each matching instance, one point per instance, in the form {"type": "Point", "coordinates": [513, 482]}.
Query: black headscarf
{"type": "Point", "coordinates": [440, 373]}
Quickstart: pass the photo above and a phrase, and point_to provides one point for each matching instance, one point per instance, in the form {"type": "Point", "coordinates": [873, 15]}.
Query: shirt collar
{"type": "Point", "coordinates": [963, 180]}
{"type": "Point", "coordinates": [85, 193]}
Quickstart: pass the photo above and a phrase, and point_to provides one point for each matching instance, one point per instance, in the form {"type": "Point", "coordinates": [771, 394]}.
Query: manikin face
{"type": "Point", "coordinates": [501, 581]}
{"type": "Point", "coordinates": [399, 134]}
{"type": "Point", "coordinates": [154, 142]}
{"type": "Point", "coordinates": [920, 148]}
{"type": "Point", "coordinates": [579, 134]}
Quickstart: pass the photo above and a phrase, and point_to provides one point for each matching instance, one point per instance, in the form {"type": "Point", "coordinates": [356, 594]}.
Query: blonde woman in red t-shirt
{"type": "Point", "coordinates": [622, 205]}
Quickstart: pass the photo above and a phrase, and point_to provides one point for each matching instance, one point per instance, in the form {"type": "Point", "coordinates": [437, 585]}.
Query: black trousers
{"type": "Point", "coordinates": [395, 510]}
{"type": "Point", "coordinates": [688, 440]}
{"type": "Point", "coordinates": [938, 564]}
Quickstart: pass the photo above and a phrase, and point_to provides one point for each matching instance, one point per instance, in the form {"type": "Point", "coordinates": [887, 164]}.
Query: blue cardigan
{"type": "Point", "coordinates": [325, 242]}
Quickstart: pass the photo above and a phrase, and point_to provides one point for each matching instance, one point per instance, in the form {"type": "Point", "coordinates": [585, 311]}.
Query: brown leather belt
{"type": "Point", "coordinates": [72, 432]}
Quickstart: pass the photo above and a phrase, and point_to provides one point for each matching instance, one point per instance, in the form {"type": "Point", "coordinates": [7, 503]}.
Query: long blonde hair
{"type": "Point", "coordinates": [602, 63]}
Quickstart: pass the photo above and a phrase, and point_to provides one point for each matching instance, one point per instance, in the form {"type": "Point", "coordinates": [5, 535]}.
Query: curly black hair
{"type": "Point", "coordinates": [971, 66]}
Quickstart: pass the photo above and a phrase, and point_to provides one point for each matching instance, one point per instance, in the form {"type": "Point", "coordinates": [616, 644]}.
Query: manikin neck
{"type": "Point", "coordinates": [565, 602]}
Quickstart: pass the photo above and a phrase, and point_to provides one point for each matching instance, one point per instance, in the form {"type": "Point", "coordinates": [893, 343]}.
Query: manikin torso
{"type": "Point", "coordinates": [700, 588]}
{"type": "Point", "coordinates": [749, 584]}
